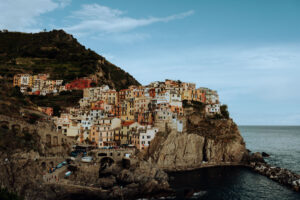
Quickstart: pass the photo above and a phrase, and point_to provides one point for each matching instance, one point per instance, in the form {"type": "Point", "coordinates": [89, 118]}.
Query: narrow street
{"type": "Point", "coordinates": [54, 176]}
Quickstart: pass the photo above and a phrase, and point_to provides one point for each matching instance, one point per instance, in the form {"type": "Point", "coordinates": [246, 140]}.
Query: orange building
{"type": "Point", "coordinates": [46, 110]}
{"type": "Point", "coordinates": [98, 105]}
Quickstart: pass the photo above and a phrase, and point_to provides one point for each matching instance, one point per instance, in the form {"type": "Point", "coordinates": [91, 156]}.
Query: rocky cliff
{"type": "Point", "coordinates": [205, 142]}
{"type": "Point", "coordinates": [25, 177]}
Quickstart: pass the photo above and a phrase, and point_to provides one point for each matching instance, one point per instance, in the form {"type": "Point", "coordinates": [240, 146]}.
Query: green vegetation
{"type": "Point", "coordinates": [58, 54]}
{"type": "Point", "coordinates": [11, 99]}
{"type": "Point", "coordinates": [57, 102]}
{"type": "Point", "coordinates": [6, 195]}
{"type": "Point", "coordinates": [224, 111]}
{"type": "Point", "coordinates": [199, 106]}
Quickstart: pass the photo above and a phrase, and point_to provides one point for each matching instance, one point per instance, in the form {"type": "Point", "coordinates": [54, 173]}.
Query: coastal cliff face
{"type": "Point", "coordinates": [204, 143]}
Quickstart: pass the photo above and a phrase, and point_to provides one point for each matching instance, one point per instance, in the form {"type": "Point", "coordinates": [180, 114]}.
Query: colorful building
{"type": "Point", "coordinates": [79, 84]}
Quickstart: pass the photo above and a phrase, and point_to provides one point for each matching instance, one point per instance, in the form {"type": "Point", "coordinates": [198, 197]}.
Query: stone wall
{"type": "Point", "coordinates": [51, 140]}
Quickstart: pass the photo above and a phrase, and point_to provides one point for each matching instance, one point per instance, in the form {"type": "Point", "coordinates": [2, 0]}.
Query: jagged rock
{"type": "Point", "coordinates": [257, 157]}
{"type": "Point", "coordinates": [280, 175]}
{"type": "Point", "coordinates": [214, 142]}
{"type": "Point", "coordinates": [107, 182]}
{"type": "Point", "coordinates": [126, 176]}
{"type": "Point", "coordinates": [264, 154]}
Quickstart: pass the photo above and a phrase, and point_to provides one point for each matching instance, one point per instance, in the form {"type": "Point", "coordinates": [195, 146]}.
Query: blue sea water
{"type": "Point", "coordinates": [281, 142]}
{"type": "Point", "coordinates": [283, 145]}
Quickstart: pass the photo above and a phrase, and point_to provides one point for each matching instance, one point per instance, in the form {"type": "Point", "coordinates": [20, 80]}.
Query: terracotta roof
{"type": "Point", "coordinates": [127, 123]}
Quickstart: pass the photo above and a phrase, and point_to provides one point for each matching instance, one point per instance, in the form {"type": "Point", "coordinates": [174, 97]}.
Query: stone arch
{"type": "Point", "coordinates": [16, 128]}
{"type": "Point", "coordinates": [55, 140]}
{"type": "Point", "coordinates": [4, 124]}
{"type": "Point", "coordinates": [48, 140]}
{"type": "Point", "coordinates": [105, 163]}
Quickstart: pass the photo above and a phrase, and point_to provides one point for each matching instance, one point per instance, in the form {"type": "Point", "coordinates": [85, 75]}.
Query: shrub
{"type": "Point", "coordinates": [224, 111]}
{"type": "Point", "coordinates": [6, 195]}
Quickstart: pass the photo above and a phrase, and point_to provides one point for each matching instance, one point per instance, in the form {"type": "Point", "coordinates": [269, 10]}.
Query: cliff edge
{"type": "Point", "coordinates": [205, 142]}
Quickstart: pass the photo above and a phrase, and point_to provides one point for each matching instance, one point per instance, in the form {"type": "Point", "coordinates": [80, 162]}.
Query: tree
{"type": "Point", "coordinates": [224, 111]}
{"type": "Point", "coordinates": [93, 84]}
{"type": "Point", "coordinates": [15, 92]}
{"type": "Point", "coordinates": [56, 110]}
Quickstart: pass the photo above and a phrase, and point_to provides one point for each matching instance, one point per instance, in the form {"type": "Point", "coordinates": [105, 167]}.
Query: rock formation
{"type": "Point", "coordinates": [205, 142]}
{"type": "Point", "coordinates": [280, 175]}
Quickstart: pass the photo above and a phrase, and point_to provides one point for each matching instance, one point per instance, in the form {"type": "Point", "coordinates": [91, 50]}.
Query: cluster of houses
{"type": "Point", "coordinates": [132, 116]}
{"type": "Point", "coordinates": [41, 84]}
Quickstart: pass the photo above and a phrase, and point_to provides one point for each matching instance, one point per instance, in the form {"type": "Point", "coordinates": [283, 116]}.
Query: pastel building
{"type": "Point", "coordinates": [146, 137]}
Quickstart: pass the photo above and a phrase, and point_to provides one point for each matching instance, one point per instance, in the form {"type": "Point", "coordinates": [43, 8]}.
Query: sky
{"type": "Point", "coordinates": [247, 50]}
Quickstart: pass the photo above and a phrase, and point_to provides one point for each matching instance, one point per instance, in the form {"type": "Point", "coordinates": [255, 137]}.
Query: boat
{"type": "Point", "coordinates": [68, 173]}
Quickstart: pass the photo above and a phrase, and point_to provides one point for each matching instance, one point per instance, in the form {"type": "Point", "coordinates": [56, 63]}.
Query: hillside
{"type": "Point", "coordinates": [58, 54]}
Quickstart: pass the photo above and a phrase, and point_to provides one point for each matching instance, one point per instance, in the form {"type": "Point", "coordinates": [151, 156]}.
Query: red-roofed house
{"type": "Point", "coordinates": [79, 84]}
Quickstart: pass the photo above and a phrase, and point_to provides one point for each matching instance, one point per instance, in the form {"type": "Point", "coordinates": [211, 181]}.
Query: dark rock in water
{"type": "Point", "coordinates": [264, 154]}
{"type": "Point", "coordinates": [190, 193]}
{"type": "Point", "coordinates": [280, 175]}
{"type": "Point", "coordinates": [256, 157]}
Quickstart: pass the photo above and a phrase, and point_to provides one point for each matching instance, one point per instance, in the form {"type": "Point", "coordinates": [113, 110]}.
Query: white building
{"type": "Point", "coordinates": [147, 136]}
{"type": "Point", "coordinates": [212, 109]}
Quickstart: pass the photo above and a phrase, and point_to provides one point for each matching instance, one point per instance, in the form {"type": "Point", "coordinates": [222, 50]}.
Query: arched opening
{"type": "Point", "coordinates": [105, 163]}
{"type": "Point", "coordinates": [48, 140]}
{"type": "Point", "coordinates": [4, 124]}
{"type": "Point", "coordinates": [43, 165]}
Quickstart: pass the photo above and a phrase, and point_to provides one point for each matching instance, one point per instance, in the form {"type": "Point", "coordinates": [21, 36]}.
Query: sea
{"type": "Point", "coordinates": [282, 143]}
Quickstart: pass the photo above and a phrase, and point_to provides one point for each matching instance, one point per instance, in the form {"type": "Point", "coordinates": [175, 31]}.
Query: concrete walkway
{"type": "Point", "coordinates": [54, 176]}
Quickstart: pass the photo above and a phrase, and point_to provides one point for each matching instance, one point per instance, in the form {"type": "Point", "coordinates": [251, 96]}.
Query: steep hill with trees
{"type": "Point", "coordinates": [58, 54]}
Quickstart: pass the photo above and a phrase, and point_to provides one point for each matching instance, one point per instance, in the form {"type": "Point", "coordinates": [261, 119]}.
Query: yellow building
{"type": "Point", "coordinates": [23, 80]}
{"type": "Point", "coordinates": [94, 134]}
{"type": "Point", "coordinates": [187, 95]}
{"type": "Point", "coordinates": [112, 97]}
{"type": "Point", "coordinates": [127, 110]}
{"type": "Point", "coordinates": [125, 131]}
{"type": "Point", "coordinates": [117, 136]}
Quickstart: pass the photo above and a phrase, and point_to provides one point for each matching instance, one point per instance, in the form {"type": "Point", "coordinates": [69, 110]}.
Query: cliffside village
{"type": "Point", "coordinates": [110, 118]}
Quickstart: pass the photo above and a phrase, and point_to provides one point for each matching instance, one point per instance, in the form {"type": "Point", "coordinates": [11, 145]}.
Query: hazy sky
{"type": "Point", "coordinates": [248, 50]}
